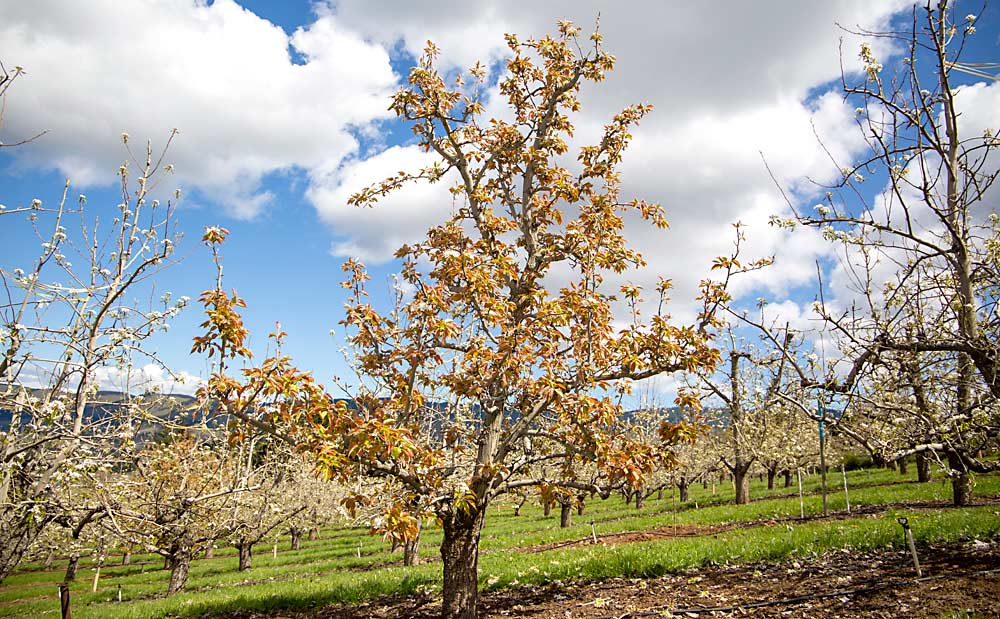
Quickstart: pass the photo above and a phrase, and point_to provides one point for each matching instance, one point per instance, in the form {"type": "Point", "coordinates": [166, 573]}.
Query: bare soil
{"type": "Point", "coordinates": [958, 578]}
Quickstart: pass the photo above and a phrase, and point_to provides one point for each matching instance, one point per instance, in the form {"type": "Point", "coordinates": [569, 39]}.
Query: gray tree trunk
{"type": "Point", "coordinates": [245, 549]}
{"type": "Point", "coordinates": [74, 562]}
{"type": "Point", "coordinates": [411, 549]}
{"type": "Point", "coordinates": [180, 565]}
{"type": "Point", "coordinates": [460, 559]}
{"type": "Point", "coordinates": [923, 467]}
{"type": "Point", "coordinates": [565, 515]}
{"type": "Point", "coordinates": [961, 483]}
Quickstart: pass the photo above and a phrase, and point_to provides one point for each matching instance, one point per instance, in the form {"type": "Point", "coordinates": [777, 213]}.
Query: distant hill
{"type": "Point", "coordinates": [176, 408]}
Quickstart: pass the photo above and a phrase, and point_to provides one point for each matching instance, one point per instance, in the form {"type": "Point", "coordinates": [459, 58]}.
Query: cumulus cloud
{"type": "Point", "coordinates": [374, 234]}
{"type": "Point", "coordinates": [251, 99]}
{"type": "Point", "coordinates": [726, 91]}
{"type": "Point", "coordinates": [150, 377]}
{"type": "Point", "coordinates": [220, 74]}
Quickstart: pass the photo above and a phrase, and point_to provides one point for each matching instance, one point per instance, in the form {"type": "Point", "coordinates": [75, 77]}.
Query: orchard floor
{"type": "Point", "coordinates": [960, 580]}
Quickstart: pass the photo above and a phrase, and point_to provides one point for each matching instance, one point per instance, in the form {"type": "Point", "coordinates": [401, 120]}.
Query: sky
{"type": "Point", "coordinates": [281, 112]}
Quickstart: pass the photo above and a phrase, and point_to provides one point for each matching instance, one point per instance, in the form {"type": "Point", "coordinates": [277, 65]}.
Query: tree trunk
{"type": "Point", "coordinates": [296, 538]}
{"type": "Point", "coordinates": [49, 558]}
{"type": "Point", "coordinates": [683, 486]}
{"type": "Point", "coordinates": [411, 549]}
{"type": "Point", "coordinates": [788, 478]}
{"type": "Point", "coordinates": [126, 558]}
{"type": "Point", "coordinates": [547, 509]}
{"type": "Point", "coordinates": [640, 500]}
{"type": "Point", "coordinates": [565, 515]}
{"type": "Point", "coordinates": [210, 552]}
{"type": "Point", "coordinates": [961, 484]}
{"type": "Point", "coordinates": [902, 464]}
{"type": "Point", "coordinates": [246, 555]}
{"type": "Point", "coordinates": [313, 534]}
{"type": "Point", "coordinates": [581, 505]}
{"type": "Point", "coordinates": [771, 474]}
{"type": "Point", "coordinates": [460, 559]}
{"type": "Point", "coordinates": [923, 467]}
{"type": "Point", "coordinates": [74, 562]}
{"type": "Point", "coordinates": [180, 564]}
{"type": "Point", "coordinates": [659, 494]}
{"type": "Point", "coordinates": [742, 482]}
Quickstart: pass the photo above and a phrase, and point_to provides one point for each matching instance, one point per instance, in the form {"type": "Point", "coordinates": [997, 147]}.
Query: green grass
{"type": "Point", "coordinates": [328, 570]}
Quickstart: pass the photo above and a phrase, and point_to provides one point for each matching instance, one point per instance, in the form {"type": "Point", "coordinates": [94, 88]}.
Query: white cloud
{"type": "Point", "coordinates": [217, 72]}
{"type": "Point", "coordinates": [374, 234]}
{"type": "Point", "coordinates": [150, 377]}
{"type": "Point", "coordinates": [725, 90]}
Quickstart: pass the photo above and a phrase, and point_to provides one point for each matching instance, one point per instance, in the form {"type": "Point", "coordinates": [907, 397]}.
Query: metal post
{"type": "Point", "coordinates": [909, 542]}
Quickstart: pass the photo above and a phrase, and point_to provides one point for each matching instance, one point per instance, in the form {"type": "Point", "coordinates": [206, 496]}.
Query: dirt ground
{"type": "Point", "coordinates": [957, 578]}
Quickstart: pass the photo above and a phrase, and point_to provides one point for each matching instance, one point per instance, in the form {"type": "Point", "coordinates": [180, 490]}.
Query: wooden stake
{"type": "Point", "coordinates": [593, 531]}
{"type": "Point", "coordinates": [274, 551]}
{"type": "Point", "coordinates": [64, 600]}
{"type": "Point", "coordinates": [802, 505]}
{"type": "Point", "coordinates": [97, 576]}
{"type": "Point", "coordinates": [847, 497]}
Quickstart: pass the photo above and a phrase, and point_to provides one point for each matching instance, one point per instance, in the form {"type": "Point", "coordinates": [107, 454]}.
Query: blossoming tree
{"type": "Point", "coordinates": [60, 326]}
{"type": "Point", "coordinates": [923, 267]}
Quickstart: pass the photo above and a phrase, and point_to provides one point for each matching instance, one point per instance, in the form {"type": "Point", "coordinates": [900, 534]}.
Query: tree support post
{"type": "Point", "coordinates": [64, 600]}
{"type": "Point", "coordinates": [909, 542]}
{"type": "Point", "coordinates": [847, 497]}
{"type": "Point", "coordinates": [802, 505]}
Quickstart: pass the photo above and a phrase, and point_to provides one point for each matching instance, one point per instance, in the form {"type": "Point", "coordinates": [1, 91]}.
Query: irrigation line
{"type": "Point", "coordinates": [693, 530]}
{"type": "Point", "coordinates": [798, 599]}
{"type": "Point", "coordinates": [987, 500]}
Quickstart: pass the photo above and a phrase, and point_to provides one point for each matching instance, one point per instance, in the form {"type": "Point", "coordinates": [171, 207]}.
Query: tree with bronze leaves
{"type": "Point", "coordinates": [534, 366]}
